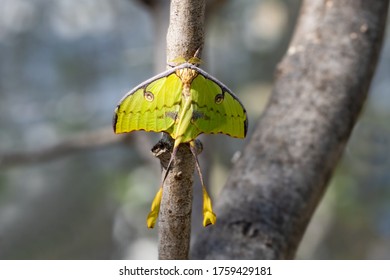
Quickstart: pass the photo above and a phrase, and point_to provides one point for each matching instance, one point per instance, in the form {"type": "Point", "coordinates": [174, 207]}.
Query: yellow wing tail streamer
{"type": "Point", "coordinates": [209, 217]}
{"type": "Point", "coordinates": [154, 209]}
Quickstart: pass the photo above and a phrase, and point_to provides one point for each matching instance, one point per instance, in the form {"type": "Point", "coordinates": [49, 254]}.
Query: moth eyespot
{"type": "Point", "coordinates": [219, 98]}
{"type": "Point", "coordinates": [148, 96]}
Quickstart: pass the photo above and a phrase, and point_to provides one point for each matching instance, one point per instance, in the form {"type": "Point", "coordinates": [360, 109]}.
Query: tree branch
{"type": "Point", "coordinates": [186, 29]}
{"type": "Point", "coordinates": [185, 36]}
{"type": "Point", "coordinates": [81, 142]}
{"type": "Point", "coordinates": [320, 88]}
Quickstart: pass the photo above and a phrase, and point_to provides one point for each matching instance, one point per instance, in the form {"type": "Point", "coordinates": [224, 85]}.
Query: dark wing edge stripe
{"type": "Point", "coordinates": [115, 118]}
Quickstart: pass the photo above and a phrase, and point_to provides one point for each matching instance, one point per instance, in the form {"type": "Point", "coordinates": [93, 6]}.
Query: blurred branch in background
{"type": "Point", "coordinates": [82, 142]}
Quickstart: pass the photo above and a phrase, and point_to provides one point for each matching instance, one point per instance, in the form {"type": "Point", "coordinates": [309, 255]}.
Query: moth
{"type": "Point", "coordinates": [183, 101]}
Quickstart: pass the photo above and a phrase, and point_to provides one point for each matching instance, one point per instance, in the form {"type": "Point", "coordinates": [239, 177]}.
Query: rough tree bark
{"type": "Point", "coordinates": [185, 37]}
{"type": "Point", "coordinates": [321, 85]}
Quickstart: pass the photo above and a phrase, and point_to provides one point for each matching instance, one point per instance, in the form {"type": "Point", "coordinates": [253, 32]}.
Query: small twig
{"type": "Point", "coordinates": [185, 37]}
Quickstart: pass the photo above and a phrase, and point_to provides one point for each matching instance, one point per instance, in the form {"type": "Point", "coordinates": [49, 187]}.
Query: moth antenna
{"type": "Point", "coordinates": [197, 52]}
{"type": "Point", "coordinates": [195, 59]}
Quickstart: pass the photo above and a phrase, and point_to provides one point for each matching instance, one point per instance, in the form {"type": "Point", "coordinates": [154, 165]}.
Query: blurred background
{"type": "Point", "coordinates": [71, 189]}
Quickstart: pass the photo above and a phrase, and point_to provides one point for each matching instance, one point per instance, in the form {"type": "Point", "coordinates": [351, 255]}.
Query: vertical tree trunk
{"type": "Point", "coordinates": [320, 88]}
{"type": "Point", "coordinates": [185, 36]}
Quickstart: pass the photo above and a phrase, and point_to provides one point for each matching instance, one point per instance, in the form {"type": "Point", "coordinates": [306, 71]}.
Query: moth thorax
{"type": "Point", "coordinates": [186, 75]}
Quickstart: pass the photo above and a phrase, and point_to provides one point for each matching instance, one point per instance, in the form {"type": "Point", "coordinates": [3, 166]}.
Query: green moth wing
{"type": "Point", "coordinates": [151, 106]}
{"type": "Point", "coordinates": [156, 104]}
{"type": "Point", "coordinates": [216, 108]}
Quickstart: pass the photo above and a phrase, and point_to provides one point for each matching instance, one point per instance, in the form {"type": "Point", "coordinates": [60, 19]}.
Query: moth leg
{"type": "Point", "coordinates": [209, 216]}
{"type": "Point", "coordinates": [155, 208]}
